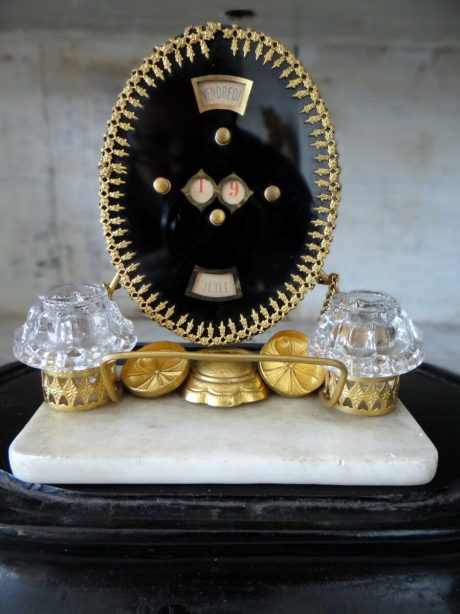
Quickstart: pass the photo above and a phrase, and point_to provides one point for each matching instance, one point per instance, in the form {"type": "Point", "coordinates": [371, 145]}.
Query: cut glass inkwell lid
{"type": "Point", "coordinates": [368, 332]}
{"type": "Point", "coordinates": [376, 340]}
{"type": "Point", "coordinates": [66, 335]}
{"type": "Point", "coordinates": [71, 328]}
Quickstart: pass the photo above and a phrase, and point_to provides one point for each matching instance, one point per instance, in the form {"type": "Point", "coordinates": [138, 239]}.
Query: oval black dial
{"type": "Point", "coordinates": [211, 256]}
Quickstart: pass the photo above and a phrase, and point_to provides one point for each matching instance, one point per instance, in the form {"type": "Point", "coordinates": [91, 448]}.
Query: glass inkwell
{"type": "Point", "coordinates": [66, 334]}
{"type": "Point", "coordinates": [376, 340]}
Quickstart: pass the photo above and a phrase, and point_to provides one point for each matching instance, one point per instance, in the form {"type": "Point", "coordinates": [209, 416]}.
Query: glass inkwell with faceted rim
{"type": "Point", "coordinates": [376, 340]}
{"type": "Point", "coordinates": [66, 334]}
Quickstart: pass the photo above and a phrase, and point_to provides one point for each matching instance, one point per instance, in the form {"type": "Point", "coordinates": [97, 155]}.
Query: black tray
{"type": "Point", "coordinates": [198, 548]}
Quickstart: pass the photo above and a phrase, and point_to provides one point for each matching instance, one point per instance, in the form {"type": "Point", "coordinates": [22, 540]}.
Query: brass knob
{"type": "Point", "coordinates": [154, 377]}
{"type": "Point", "coordinates": [217, 217]}
{"type": "Point", "coordinates": [272, 193]}
{"type": "Point", "coordinates": [161, 185]}
{"type": "Point", "coordinates": [223, 136]}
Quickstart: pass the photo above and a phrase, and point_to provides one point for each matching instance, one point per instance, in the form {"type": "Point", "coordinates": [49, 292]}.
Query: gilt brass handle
{"type": "Point", "coordinates": [306, 360]}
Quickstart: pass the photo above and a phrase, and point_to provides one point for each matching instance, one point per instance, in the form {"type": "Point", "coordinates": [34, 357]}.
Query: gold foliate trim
{"type": "Point", "coordinates": [153, 70]}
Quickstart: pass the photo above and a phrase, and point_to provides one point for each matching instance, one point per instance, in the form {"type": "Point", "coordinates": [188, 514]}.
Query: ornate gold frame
{"type": "Point", "coordinates": [152, 71]}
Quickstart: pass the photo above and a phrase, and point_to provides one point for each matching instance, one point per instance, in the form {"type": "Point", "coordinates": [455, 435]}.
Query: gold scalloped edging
{"type": "Point", "coordinates": [179, 50]}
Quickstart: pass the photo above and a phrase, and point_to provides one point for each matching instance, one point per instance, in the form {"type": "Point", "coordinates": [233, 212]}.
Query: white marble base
{"type": "Point", "coordinates": [169, 441]}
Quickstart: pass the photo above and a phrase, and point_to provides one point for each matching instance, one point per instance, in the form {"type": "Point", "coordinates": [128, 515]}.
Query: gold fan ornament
{"type": "Point", "coordinates": [155, 377]}
{"type": "Point", "coordinates": [290, 379]}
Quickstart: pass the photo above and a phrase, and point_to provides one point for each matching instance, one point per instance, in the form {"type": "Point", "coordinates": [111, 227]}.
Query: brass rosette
{"type": "Point", "coordinates": [155, 377]}
{"type": "Point", "coordinates": [286, 378]}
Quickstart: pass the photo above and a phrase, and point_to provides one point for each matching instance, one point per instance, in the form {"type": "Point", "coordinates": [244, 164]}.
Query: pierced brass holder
{"type": "Point", "coordinates": [77, 390]}
{"type": "Point", "coordinates": [220, 357]}
{"type": "Point", "coordinates": [363, 396]}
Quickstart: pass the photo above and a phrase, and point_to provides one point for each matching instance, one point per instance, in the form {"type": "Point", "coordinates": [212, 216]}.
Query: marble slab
{"type": "Point", "coordinates": [169, 441]}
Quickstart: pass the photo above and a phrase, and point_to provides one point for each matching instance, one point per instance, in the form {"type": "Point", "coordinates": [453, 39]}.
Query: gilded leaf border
{"type": "Point", "coordinates": [184, 48]}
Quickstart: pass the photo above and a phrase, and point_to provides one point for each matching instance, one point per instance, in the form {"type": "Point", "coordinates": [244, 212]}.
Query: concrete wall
{"type": "Point", "coordinates": [394, 96]}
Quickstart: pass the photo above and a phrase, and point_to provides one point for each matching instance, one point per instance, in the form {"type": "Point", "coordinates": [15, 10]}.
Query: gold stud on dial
{"type": "Point", "coordinates": [272, 193]}
{"type": "Point", "coordinates": [161, 185]}
{"type": "Point", "coordinates": [223, 136]}
{"type": "Point", "coordinates": [217, 217]}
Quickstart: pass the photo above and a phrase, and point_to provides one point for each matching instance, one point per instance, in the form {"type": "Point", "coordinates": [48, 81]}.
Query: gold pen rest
{"type": "Point", "coordinates": [234, 357]}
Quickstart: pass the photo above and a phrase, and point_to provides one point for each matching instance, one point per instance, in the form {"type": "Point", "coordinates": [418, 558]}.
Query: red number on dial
{"type": "Point", "coordinates": [234, 189]}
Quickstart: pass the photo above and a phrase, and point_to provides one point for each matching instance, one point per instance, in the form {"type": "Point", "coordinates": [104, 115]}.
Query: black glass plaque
{"type": "Point", "coordinates": [219, 184]}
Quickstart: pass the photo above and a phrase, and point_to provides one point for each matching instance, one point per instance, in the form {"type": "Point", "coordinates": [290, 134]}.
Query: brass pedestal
{"type": "Point", "coordinates": [224, 384]}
